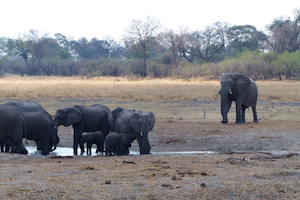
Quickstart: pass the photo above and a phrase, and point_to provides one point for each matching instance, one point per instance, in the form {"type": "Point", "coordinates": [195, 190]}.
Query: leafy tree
{"type": "Point", "coordinates": [288, 64]}
{"type": "Point", "coordinates": [241, 38]}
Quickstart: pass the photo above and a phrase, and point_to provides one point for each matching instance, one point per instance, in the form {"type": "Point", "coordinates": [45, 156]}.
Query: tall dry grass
{"type": "Point", "coordinates": [124, 89]}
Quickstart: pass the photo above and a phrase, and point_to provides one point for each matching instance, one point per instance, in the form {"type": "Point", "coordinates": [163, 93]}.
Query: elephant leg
{"type": "Point", "coordinates": [21, 148]}
{"type": "Point", "coordinates": [89, 148]}
{"type": "Point", "coordinates": [238, 105]}
{"type": "Point", "coordinates": [139, 140]}
{"type": "Point", "coordinates": [39, 146]}
{"type": "Point", "coordinates": [254, 114]}
{"type": "Point", "coordinates": [81, 148]}
{"type": "Point", "coordinates": [225, 110]}
{"type": "Point", "coordinates": [77, 137]}
{"type": "Point", "coordinates": [243, 117]}
{"type": "Point", "coordinates": [46, 149]}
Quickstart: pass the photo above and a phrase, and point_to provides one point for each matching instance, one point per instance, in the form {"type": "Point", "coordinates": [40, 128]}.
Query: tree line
{"type": "Point", "coordinates": [147, 51]}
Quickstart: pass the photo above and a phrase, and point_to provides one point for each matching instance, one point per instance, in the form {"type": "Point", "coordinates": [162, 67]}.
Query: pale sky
{"type": "Point", "coordinates": [102, 18]}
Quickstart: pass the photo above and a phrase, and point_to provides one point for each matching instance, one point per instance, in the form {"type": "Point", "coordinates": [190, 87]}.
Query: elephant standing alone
{"type": "Point", "coordinates": [241, 89]}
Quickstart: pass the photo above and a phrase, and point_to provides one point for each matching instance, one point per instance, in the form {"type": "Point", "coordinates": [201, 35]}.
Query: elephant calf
{"type": "Point", "coordinates": [118, 143]}
{"type": "Point", "coordinates": [90, 139]}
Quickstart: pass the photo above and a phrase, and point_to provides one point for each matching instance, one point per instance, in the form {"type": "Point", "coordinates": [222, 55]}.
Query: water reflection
{"type": "Point", "coordinates": [68, 151]}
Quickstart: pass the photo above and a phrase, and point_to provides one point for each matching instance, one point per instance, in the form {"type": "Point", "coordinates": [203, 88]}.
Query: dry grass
{"type": "Point", "coordinates": [111, 88]}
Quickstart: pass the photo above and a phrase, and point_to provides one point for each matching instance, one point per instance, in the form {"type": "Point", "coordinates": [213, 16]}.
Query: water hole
{"type": "Point", "coordinates": [68, 151]}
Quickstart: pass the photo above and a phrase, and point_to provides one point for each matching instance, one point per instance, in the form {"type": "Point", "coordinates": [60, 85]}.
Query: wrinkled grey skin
{"type": "Point", "coordinates": [90, 139]}
{"type": "Point", "coordinates": [85, 119]}
{"type": "Point", "coordinates": [118, 143]}
{"type": "Point", "coordinates": [39, 125]}
{"type": "Point", "coordinates": [12, 127]}
{"type": "Point", "coordinates": [241, 89]}
{"type": "Point", "coordinates": [137, 123]}
{"type": "Point", "coordinates": [27, 106]}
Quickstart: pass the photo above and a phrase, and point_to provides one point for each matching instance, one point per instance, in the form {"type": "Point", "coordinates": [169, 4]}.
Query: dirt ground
{"type": "Point", "coordinates": [250, 161]}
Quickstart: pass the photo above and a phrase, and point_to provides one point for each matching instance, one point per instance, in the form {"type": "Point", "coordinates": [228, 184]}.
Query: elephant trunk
{"type": "Point", "coordinates": [145, 148]}
{"type": "Point", "coordinates": [225, 105]}
{"type": "Point", "coordinates": [54, 147]}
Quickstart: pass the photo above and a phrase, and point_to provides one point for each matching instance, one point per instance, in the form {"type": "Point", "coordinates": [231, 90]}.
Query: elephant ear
{"type": "Point", "coordinates": [134, 122]}
{"type": "Point", "coordinates": [151, 119]}
{"type": "Point", "coordinates": [242, 83]}
{"type": "Point", "coordinates": [73, 116]}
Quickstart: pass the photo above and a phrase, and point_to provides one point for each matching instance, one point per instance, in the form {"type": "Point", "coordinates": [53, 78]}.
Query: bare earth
{"type": "Point", "coordinates": [250, 161]}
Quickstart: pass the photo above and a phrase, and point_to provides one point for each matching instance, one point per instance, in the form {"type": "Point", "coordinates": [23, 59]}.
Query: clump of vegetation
{"type": "Point", "coordinates": [148, 51]}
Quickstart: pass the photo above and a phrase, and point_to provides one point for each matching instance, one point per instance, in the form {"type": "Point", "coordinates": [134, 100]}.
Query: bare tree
{"type": "Point", "coordinates": [206, 44]}
{"type": "Point", "coordinates": [285, 34]}
{"type": "Point", "coordinates": [37, 47]}
{"type": "Point", "coordinates": [141, 34]}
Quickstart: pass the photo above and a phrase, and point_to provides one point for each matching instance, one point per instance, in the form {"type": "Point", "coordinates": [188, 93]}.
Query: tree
{"type": "Point", "coordinates": [285, 34]}
{"type": "Point", "coordinates": [244, 38]}
{"type": "Point", "coordinates": [37, 46]}
{"type": "Point", "coordinates": [173, 42]}
{"type": "Point", "coordinates": [288, 64]}
{"type": "Point", "coordinates": [140, 36]}
{"type": "Point", "coordinates": [206, 44]}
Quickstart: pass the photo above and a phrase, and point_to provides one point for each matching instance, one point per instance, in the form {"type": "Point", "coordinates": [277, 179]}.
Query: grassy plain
{"type": "Point", "coordinates": [123, 89]}
{"type": "Point", "coordinates": [179, 107]}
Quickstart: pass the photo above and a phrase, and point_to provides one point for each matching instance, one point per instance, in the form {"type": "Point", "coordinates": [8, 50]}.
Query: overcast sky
{"type": "Point", "coordinates": [102, 18]}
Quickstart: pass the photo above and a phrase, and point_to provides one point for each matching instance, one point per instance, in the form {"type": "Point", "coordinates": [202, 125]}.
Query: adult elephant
{"type": "Point", "coordinates": [27, 106]}
{"type": "Point", "coordinates": [39, 125]}
{"type": "Point", "coordinates": [137, 123]}
{"type": "Point", "coordinates": [40, 128]}
{"type": "Point", "coordinates": [241, 89]}
{"type": "Point", "coordinates": [85, 119]}
{"type": "Point", "coordinates": [12, 127]}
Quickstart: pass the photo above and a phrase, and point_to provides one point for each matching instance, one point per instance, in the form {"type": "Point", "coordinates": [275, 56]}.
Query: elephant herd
{"type": "Point", "coordinates": [112, 131]}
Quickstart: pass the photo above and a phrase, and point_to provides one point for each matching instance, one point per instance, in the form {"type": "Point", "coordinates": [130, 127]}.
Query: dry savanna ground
{"type": "Point", "coordinates": [250, 161]}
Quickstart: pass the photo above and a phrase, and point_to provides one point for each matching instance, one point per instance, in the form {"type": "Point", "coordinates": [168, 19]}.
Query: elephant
{"type": "Point", "coordinates": [90, 139]}
{"type": "Point", "coordinates": [137, 123]}
{"type": "Point", "coordinates": [85, 119]}
{"type": "Point", "coordinates": [27, 106]}
{"type": "Point", "coordinates": [241, 89]}
{"type": "Point", "coordinates": [118, 143]}
{"type": "Point", "coordinates": [39, 125]}
{"type": "Point", "coordinates": [12, 127]}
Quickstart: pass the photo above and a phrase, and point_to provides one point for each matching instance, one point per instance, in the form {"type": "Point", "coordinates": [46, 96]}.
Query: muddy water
{"type": "Point", "coordinates": [68, 151]}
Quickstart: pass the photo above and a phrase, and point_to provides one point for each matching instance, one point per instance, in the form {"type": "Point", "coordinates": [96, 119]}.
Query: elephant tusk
{"type": "Point", "coordinates": [141, 134]}
{"type": "Point", "coordinates": [217, 93]}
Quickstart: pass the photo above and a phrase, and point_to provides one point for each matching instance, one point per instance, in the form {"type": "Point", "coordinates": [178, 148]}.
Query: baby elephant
{"type": "Point", "coordinates": [118, 143]}
{"type": "Point", "coordinates": [90, 139]}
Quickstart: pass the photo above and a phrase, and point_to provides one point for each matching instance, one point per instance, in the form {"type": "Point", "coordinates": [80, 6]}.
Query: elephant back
{"type": "Point", "coordinates": [122, 124]}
